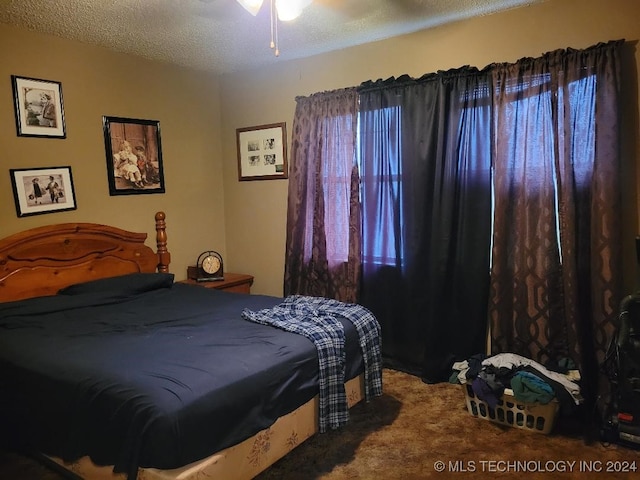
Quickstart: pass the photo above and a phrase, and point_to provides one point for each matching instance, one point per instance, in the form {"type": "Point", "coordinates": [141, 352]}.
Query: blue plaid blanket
{"type": "Point", "coordinates": [315, 318]}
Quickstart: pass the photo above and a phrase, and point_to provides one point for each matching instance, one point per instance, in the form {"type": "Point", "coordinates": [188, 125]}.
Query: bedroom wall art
{"type": "Point", "coordinates": [262, 152]}
{"type": "Point", "coordinates": [134, 156]}
{"type": "Point", "coordinates": [39, 107]}
{"type": "Point", "coordinates": [42, 190]}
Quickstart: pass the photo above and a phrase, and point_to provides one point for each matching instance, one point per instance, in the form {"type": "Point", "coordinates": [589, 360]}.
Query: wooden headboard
{"type": "Point", "coordinates": [42, 260]}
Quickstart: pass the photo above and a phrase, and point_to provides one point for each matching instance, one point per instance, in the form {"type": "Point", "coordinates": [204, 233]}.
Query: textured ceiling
{"type": "Point", "coordinates": [220, 36]}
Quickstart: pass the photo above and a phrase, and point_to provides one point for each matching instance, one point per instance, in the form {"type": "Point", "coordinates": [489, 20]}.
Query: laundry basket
{"type": "Point", "coordinates": [534, 417]}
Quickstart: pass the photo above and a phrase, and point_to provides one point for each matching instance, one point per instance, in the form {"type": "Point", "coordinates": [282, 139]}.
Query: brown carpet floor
{"type": "Point", "coordinates": [413, 426]}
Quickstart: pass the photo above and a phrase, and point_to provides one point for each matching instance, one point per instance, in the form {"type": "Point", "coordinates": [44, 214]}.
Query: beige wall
{"type": "Point", "coordinates": [206, 205]}
{"type": "Point", "coordinates": [256, 211]}
{"type": "Point", "coordinates": [96, 82]}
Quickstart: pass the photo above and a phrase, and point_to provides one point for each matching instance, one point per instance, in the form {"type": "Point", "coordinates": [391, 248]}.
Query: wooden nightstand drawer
{"type": "Point", "coordinates": [233, 282]}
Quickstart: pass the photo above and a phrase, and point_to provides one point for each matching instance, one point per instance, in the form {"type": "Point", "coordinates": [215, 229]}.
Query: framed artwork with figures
{"type": "Point", "coordinates": [134, 156]}
{"type": "Point", "coordinates": [262, 153]}
{"type": "Point", "coordinates": [39, 107]}
{"type": "Point", "coordinates": [42, 190]}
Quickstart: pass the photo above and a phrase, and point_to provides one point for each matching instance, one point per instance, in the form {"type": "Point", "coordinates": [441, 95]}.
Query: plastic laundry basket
{"type": "Point", "coordinates": [534, 417]}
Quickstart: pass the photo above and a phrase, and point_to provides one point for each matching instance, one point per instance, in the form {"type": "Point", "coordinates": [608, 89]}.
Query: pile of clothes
{"type": "Point", "coordinates": [526, 380]}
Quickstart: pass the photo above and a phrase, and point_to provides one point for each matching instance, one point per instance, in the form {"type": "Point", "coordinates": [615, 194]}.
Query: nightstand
{"type": "Point", "coordinates": [233, 282]}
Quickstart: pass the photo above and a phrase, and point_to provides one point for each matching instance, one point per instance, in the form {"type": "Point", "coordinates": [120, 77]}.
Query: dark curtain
{"type": "Point", "coordinates": [426, 208]}
{"type": "Point", "coordinates": [450, 247]}
{"type": "Point", "coordinates": [557, 268]}
{"type": "Point", "coordinates": [323, 217]}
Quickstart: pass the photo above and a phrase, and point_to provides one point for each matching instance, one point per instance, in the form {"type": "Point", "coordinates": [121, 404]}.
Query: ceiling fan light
{"type": "Point", "coordinates": [251, 6]}
{"type": "Point", "coordinates": [283, 10]}
{"type": "Point", "coordinates": [290, 9]}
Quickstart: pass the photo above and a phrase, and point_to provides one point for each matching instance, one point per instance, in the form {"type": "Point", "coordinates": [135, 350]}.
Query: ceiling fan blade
{"type": "Point", "coordinates": [219, 10]}
{"type": "Point", "coordinates": [251, 6]}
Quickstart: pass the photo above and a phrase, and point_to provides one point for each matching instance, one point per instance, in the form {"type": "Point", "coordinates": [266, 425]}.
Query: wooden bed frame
{"type": "Point", "coordinates": [43, 260]}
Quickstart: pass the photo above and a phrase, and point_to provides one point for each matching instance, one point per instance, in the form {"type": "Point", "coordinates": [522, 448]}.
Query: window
{"type": "Point", "coordinates": [381, 187]}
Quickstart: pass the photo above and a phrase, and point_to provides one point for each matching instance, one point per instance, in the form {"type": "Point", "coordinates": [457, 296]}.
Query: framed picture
{"type": "Point", "coordinates": [42, 190]}
{"type": "Point", "coordinates": [39, 107]}
{"type": "Point", "coordinates": [262, 152]}
{"type": "Point", "coordinates": [134, 156]}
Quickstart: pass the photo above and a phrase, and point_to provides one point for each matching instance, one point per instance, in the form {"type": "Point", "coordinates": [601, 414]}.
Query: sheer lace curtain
{"type": "Point", "coordinates": [556, 275]}
{"type": "Point", "coordinates": [323, 218]}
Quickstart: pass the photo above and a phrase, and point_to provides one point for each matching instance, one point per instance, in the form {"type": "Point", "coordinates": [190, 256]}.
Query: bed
{"type": "Point", "coordinates": [110, 369]}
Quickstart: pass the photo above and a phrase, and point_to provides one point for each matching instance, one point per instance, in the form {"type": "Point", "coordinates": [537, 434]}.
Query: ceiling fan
{"type": "Point", "coordinates": [283, 10]}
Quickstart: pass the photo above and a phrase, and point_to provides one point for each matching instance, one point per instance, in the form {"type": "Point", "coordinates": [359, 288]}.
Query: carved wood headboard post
{"type": "Point", "coordinates": [164, 257]}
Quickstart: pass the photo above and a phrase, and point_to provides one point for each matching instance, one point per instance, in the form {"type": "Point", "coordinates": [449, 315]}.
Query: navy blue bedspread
{"type": "Point", "coordinates": [149, 377]}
